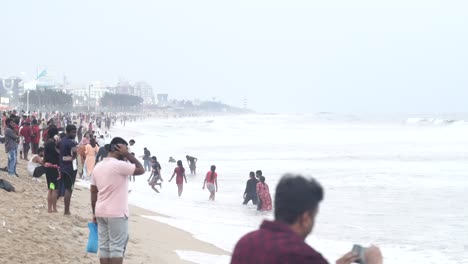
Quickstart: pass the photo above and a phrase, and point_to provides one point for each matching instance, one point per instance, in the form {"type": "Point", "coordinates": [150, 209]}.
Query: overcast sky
{"type": "Point", "coordinates": [282, 56]}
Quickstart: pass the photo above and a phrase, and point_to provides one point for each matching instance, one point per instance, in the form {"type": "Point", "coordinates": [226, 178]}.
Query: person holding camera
{"type": "Point", "coordinates": [283, 240]}
{"type": "Point", "coordinates": [109, 199]}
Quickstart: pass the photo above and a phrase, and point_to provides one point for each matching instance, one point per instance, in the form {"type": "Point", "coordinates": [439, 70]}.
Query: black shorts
{"type": "Point", "coordinates": [38, 171]}
{"type": "Point", "coordinates": [52, 178]}
{"type": "Point", "coordinates": [69, 178]}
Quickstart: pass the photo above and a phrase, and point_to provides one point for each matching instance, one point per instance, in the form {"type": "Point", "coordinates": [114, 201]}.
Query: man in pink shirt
{"type": "Point", "coordinates": [109, 200]}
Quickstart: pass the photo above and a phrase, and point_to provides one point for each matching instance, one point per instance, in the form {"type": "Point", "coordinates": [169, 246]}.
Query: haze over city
{"type": "Point", "coordinates": [280, 56]}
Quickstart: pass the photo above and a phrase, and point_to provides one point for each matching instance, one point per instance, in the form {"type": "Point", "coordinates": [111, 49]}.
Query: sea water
{"type": "Point", "coordinates": [397, 182]}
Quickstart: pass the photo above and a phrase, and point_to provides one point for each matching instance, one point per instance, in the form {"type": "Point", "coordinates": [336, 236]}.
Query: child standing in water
{"type": "Point", "coordinates": [211, 181]}
{"type": "Point", "coordinates": [180, 172]}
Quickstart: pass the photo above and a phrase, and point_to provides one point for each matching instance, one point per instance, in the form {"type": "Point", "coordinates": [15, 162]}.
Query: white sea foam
{"type": "Point", "coordinates": [400, 186]}
{"type": "Point", "coordinates": [204, 258]}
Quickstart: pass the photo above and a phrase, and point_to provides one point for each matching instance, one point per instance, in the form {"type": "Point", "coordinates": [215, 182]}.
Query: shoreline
{"type": "Point", "coordinates": [31, 234]}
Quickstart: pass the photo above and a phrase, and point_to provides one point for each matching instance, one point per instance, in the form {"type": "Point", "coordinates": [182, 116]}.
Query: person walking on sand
{"type": "Point", "coordinates": [192, 162]}
{"type": "Point", "coordinates": [26, 133]}
{"type": "Point", "coordinates": [68, 164]}
{"type": "Point", "coordinates": [155, 174]}
{"type": "Point", "coordinates": [52, 168]}
{"type": "Point", "coordinates": [36, 137]}
{"type": "Point", "coordinates": [180, 172]}
{"type": "Point", "coordinates": [11, 146]}
{"type": "Point", "coordinates": [91, 151]}
{"type": "Point", "coordinates": [264, 195]}
{"type": "Point", "coordinates": [250, 192]}
{"type": "Point", "coordinates": [211, 181]}
{"type": "Point", "coordinates": [109, 200]}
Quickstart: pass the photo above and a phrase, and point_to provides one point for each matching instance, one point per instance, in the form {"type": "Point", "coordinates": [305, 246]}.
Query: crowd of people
{"type": "Point", "coordinates": [66, 146]}
{"type": "Point", "coordinates": [51, 139]}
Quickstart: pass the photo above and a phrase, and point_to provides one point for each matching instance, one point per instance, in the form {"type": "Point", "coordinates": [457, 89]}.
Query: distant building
{"type": "Point", "coordinates": [145, 91]}
{"type": "Point", "coordinates": [92, 93]}
{"type": "Point", "coordinates": [163, 99]}
{"type": "Point", "coordinates": [11, 88]}
{"type": "Point", "coordinates": [123, 87]}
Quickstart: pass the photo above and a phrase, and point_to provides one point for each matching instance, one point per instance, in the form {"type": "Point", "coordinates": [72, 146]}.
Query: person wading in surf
{"type": "Point", "coordinates": [211, 181]}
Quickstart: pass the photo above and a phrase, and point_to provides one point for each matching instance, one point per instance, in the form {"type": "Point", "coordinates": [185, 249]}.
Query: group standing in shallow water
{"type": "Point", "coordinates": [257, 191]}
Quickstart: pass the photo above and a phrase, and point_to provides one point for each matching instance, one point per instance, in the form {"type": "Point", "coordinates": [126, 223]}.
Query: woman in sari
{"type": "Point", "coordinates": [91, 151]}
{"type": "Point", "coordinates": [85, 140]}
{"type": "Point", "coordinates": [264, 196]}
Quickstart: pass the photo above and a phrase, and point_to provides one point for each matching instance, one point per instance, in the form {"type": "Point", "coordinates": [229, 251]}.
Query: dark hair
{"type": "Point", "coordinates": [179, 163]}
{"type": "Point", "coordinates": [52, 132]}
{"type": "Point", "coordinates": [92, 142]}
{"type": "Point", "coordinates": [213, 168]}
{"type": "Point", "coordinates": [118, 140]}
{"type": "Point", "coordinates": [295, 195]}
{"type": "Point", "coordinates": [132, 141]}
{"type": "Point", "coordinates": [154, 158]}
{"type": "Point", "coordinates": [70, 128]}
{"type": "Point", "coordinates": [262, 179]}
{"type": "Point", "coordinates": [252, 174]}
{"type": "Point", "coordinates": [40, 149]}
{"type": "Point", "coordinates": [259, 172]}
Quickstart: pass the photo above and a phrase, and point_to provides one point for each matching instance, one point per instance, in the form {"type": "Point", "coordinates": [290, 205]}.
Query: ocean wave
{"type": "Point", "coordinates": [436, 121]}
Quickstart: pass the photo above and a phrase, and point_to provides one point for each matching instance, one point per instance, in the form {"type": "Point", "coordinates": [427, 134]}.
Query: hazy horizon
{"type": "Point", "coordinates": [294, 56]}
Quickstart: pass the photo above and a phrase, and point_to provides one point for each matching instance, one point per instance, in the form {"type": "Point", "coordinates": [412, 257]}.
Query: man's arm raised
{"type": "Point", "coordinates": [139, 170]}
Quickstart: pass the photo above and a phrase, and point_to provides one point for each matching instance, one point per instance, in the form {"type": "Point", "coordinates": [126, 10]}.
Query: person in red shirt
{"type": "Point", "coordinates": [180, 172]}
{"type": "Point", "coordinates": [26, 132]}
{"type": "Point", "coordinates": [211, 181]}
{"type": "Point", "coordinates": [283, 240]}
{"type": "Point", "coordinates": [36, 136]}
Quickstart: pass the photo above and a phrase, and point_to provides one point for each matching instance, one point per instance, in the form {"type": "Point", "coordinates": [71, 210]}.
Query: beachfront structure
{"type": "Point", "coordinates": [11, 89]}
{"type": "Point", "coordinates": [89, 94]}
{"type": "Point", "coordinates": [140, 89]}
{"type": "Point", "coordinates": [163, 99]}
{"type": "Point", "coordinates": [145, 91]}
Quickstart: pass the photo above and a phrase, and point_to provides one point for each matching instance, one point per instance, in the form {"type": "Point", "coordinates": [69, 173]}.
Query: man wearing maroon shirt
{"type": "Point", "coordinates": [27, 134]}
{"type": "Point", "coordinates": [282, 241]}
{"type": "Point", "coordinates": [36, 137]}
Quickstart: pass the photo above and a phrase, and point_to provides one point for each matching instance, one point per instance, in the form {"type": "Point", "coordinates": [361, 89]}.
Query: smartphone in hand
{"type": "Point", "coordinates": [359, 250]}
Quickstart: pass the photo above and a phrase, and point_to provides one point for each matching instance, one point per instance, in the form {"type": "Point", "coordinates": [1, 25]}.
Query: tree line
{"type": "Point", "coordinates": [47, 99]}
{"type": "Point", "coordinates": [58, 100]}
{"type": "Point", "coordinates": [120, 101]}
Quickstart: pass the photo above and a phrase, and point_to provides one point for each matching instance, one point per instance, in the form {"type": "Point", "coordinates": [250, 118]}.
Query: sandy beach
{"type": "Point", "coordinates": [31, 235]}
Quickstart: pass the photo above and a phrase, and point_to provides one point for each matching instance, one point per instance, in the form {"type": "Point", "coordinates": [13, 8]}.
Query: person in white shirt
{"type": "Point", "coordinates": [101, 141]}
{"type": "Point", "coordinates": [35, 164]}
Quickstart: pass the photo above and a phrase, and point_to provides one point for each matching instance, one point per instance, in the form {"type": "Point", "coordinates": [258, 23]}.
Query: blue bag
{"type": "Point", "coordinates": [93, 239]}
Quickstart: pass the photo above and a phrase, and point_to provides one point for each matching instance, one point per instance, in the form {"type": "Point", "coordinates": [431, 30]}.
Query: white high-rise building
{"type": "Point", "coordinates": [145, 91]}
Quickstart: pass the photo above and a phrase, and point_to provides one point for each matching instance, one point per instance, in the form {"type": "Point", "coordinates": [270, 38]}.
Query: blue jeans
{"type": "Point", "coordinates": [12, 161]}
{"type": "Point", "coordinates": [147, 165]}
